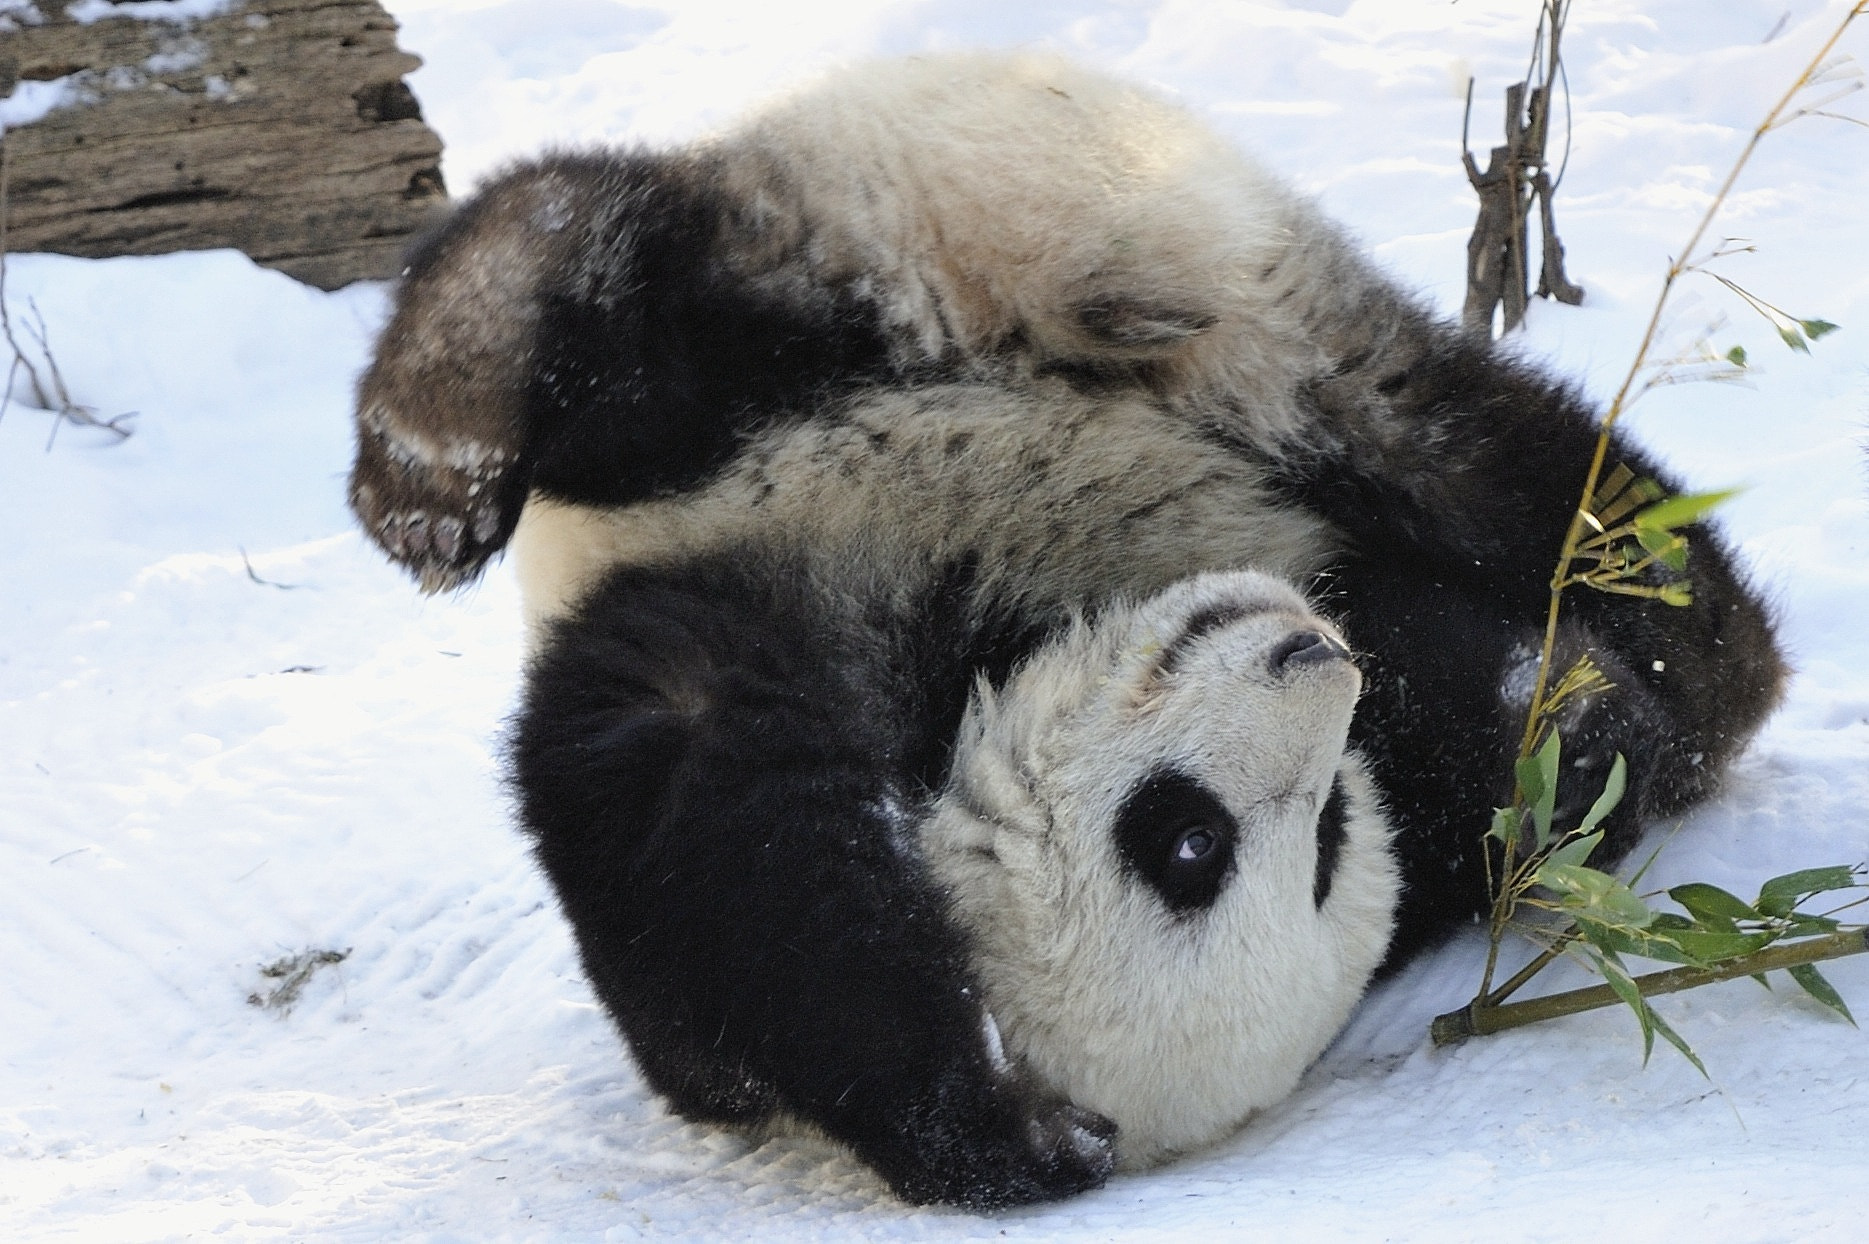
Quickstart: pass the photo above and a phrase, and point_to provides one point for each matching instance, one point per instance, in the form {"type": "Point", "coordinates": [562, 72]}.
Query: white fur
{"type": "Point", "coordinates": [1176, 1029]}
{"type": "Point", "coordinates": [1061, 531]}
{"type": "Point", "coordinates": [987, 199]}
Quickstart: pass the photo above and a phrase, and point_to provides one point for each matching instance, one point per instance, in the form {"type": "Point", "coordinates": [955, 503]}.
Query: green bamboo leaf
{"type": "Point", "coordinates": [1674, 1039]}
{"type": "Point", "coordinates": [1625, 989]}
{"type": "Point", "coordinates": [1575, 851]}
{"type": "Point", "coordinates": [1781, 895]}
{"type": "Point", "coordinates": [1507, 827]}
{"type": "Point", "coordinates": [1705, 947]}
{"type": "Point", "coordinates": [1815, 329]}
{"type": "Point", "coordinates": [1537, 775]}
{"type": "Point", "coordinates": [1595, 895]}
{"type": "Point", "coordinates": [1613, 787]}
{"type": "Point", "coordinates": [1665, 547]}
{"type": "Point", "coordinates": [1679, 511]}
{"type": "Point", "coordinates": [1811, 926]}
{"type": "Point", "coordinates": [1672, 939]}
{"type": "Point", "coordinates": [1807, 975]}
{"type": "Point", "coordinates": [1621, 939]}
{"type": "Point", "coordinates": [1793, 338]}
{"type": "Point", "coordinates": [1712, 904]}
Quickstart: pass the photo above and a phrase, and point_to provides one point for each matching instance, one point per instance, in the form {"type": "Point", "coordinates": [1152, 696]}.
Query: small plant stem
{"type": "Point", "coordinates": [1506, 897]}
{"type": "Point", "coordinates": [1524, 974]}
{"type": "Point", "coordinates": [1492, 964]}
{"type": "Point", "coordinates": [1478, 1018]}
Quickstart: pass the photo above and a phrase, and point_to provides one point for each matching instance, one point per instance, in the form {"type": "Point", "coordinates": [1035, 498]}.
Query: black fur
{"type": "Point", "coordinates": [1331, 832]}
{"type": "Point", "coordinates": [1454, 493]}
{"type": "Point", "coordinates": [606, 327]}
{"type": "Point", "coordinates": [716, 762]}
{"type": "Point", "coordinates": [662, 351]}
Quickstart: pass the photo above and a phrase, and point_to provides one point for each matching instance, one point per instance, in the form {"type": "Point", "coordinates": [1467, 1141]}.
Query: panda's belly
{"type": "Point", "coordinates": [1056, 500]}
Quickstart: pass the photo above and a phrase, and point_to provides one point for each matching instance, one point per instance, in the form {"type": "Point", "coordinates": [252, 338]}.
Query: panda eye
{"type": "Point", "coordinates": [1194, 844]}
{"type": "Point", "coordinates": [1175, 836]}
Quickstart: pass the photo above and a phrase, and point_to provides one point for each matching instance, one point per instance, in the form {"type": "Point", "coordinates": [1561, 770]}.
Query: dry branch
{"type": "Point", "coordinates": [1516, 176]}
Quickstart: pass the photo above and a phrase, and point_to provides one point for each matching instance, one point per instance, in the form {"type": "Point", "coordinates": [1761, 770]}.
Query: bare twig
{"type": "Point", "coordinates": [293, 973]}
{"type": "Point", "coordinates": [254, 575]}
{"type": "Point", "coordinates": [48, 388]}
{"type": "Point", "coordinates": [1516, 176]}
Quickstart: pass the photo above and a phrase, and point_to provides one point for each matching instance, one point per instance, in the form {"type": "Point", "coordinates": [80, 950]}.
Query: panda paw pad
{"type": "Point", "coordinates": [440, 512]}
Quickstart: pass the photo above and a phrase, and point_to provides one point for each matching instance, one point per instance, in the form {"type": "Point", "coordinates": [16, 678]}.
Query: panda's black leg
{"type": "Point", "coordinates": [444, 418]}
{"type": "Point", "coordinates": [710, 763]}
{"type": "Point", "coordinates": [587, 326]}
{"type": "Point", "coordinates": [1437, 454]}
{"type": "Point", "coordinates": [1447, 679]}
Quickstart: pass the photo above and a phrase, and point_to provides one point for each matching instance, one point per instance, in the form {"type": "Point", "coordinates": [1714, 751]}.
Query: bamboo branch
{"type": "Point", "coordinates": [1478, 1019]}
{"type": "Point", "coordinates": [1676, 268]}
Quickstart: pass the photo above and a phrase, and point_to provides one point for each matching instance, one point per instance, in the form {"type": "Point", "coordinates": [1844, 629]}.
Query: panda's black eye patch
{"type": "Point", "coordinates": [1175, 835]}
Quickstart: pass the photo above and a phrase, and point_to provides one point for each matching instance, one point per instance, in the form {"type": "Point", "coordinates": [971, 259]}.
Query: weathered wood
{"type": "Point", "coordinates": [1498, 269]}
{"type": "Point", "coordinates": [1552, 280]}
{"type": "Point", "coordinates": [280, 127]}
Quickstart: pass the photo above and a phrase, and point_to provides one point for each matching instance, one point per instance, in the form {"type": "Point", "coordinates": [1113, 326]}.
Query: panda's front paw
{"type": "Point", "coordinates": [438, 509]}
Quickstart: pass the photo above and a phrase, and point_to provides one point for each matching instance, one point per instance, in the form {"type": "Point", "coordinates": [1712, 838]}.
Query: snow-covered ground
{"type": "Point", "coordinates": [230, 734]}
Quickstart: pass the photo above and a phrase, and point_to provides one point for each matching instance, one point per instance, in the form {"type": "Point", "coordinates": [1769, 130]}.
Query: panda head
{"type": "Point", "coordinates": [1176, 875]}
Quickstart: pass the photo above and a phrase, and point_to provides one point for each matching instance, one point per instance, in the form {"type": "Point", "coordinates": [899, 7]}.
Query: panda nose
{"type": "Point", "coordinates": [1301, 648]}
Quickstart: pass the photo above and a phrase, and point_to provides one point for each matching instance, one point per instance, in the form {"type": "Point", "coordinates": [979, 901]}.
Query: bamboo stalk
{"type": "Point", "coordinates": [1477, 1019]}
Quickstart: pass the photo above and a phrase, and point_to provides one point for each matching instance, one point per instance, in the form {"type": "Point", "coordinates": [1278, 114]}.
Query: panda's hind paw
{"type": "Point", "coordinates": [1043, 1149]}
{"type": "Point", "coordinates": [1078, 1147]}
{"type": "Point", "coordinates": [439, 515]}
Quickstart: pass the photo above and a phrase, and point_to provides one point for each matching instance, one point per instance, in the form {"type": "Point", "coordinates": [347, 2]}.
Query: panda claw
{"type": "Point", "coordinates": [390, 535]}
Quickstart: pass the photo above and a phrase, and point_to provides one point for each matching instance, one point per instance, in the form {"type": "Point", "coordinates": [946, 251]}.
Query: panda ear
{"type": "Point", "coordinates": [1134, 325]}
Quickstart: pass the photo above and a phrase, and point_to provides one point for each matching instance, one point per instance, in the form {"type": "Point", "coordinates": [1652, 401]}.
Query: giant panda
{"type": "Point", "coordinates": [905, 778]}
{"type": "Point", "coordinates": [863, 466]}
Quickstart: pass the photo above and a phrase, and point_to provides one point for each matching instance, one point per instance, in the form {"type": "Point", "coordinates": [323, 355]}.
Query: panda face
{"type": "Point", "coordinates": [1177, 877]}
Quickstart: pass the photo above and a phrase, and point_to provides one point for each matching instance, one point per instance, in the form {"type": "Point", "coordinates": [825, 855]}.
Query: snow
{"type": "Point", "coordinates": [31, 101]}
{"type": "Point", "coordinates": [230, 734]}
{"type": "Point", "coordinates": [89, 11]}
{"type": "Point", "coordinates": [17, 13]}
